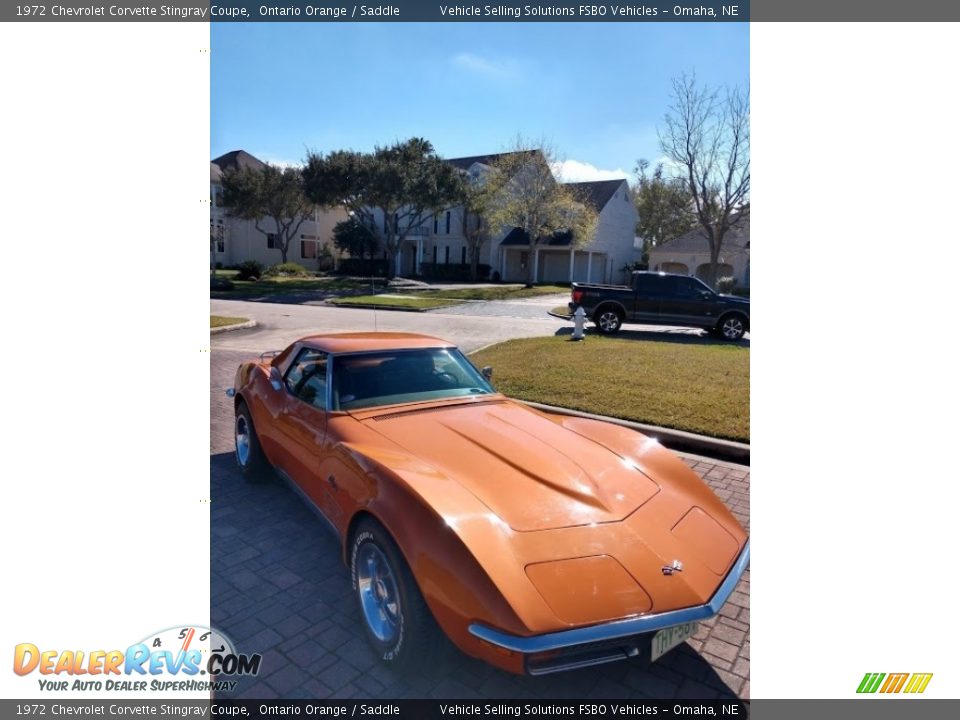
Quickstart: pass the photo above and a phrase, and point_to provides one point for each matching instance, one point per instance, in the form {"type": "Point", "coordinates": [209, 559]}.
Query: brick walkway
{"type": "Point", "coordinates": [278, 587]}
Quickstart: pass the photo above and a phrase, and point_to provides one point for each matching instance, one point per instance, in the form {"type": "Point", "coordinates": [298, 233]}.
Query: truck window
{"type": "Point", "coordinates": [651, 284]}
{"type": "Point", "coordinates": [690, 287]}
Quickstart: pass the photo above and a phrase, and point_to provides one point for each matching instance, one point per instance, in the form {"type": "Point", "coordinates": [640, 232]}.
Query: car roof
{"type": "Point", "coordinates": [370, 341]}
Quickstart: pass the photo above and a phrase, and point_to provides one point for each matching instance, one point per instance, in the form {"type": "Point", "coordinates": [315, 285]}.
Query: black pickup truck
{"type": "Point", "coordinates": [662, 299]}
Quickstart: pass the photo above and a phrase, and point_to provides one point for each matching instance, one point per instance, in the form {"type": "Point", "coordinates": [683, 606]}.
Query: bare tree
{"type": "Point", "coordinates": [525, 195]}
{"type": "Point", "coordinates": [706, 137]}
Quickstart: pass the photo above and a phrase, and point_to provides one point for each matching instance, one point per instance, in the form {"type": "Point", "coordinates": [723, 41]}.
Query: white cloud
{"type": "Point", "coordinates": [494, 69]}
{"type": "Point", "coordinates": [280, 162]}
{"type": "Point", "coordinates": [576, 171]}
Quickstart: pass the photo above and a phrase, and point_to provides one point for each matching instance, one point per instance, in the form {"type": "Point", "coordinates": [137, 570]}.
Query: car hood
{"type": "Point", "coordinates": [533, 473]}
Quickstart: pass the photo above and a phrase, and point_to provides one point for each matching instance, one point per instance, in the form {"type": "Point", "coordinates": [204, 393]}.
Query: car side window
{"type": "Point", "coordinates": [306, 378]}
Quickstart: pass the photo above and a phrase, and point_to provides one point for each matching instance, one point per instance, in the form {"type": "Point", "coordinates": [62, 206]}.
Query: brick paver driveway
{"type": "Point", "coordinates": [278, 587]}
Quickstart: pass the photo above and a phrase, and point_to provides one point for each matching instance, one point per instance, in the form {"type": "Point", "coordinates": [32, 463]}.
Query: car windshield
{"type": "Point", "coordinates": [404, 376]}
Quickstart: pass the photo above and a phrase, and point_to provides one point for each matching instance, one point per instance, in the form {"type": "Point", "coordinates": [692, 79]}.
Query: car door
{"type": "Point", "coordinates": [690, 302]}
{"type": "Point", "coordinates": [649, 290]}
{"type": "Point", "coordinates": [301, 426]}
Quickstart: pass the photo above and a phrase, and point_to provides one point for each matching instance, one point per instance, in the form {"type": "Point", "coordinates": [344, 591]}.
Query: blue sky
{"type": "Point", "coordinates": [596, 91]}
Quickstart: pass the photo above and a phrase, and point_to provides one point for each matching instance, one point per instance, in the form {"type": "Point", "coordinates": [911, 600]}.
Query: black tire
{"type": "Point", "coordinates": [608, 319]}
{"type": "Point", "coordinates": [395, 616]}
{"type": "Point", "coordinates": [249, 455]}
{"type": "Point", "coordinates": [731, 327]}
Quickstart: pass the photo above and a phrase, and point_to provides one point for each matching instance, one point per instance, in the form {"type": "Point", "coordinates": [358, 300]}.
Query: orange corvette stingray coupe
{"type": "Point", "coordinates": [536, 542]}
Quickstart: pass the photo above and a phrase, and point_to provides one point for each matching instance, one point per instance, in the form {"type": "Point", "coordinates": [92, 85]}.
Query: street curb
{"type": "Point", "coordinates": [238, 326]}
{"type": "Point", "coordinates": [674, 439]}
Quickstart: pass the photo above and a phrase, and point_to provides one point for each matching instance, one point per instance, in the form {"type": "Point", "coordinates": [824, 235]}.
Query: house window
{"type": "Point", "coordinates": [272, 243]}
{"type": "Point", "coordinates": [446, 253]}
{"type": "Point", "coordinates": [308, 247]}
{"type": "Point", "coordinates": [448, 222]}
{"type": "Point", "coordinates": [463, 255]}
{"type": "Point", "coordinates": [434, 254]}
{"type": "Point", "coordinates": [436, 223]}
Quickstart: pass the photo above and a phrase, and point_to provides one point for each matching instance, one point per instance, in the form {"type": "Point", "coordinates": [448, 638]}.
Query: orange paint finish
{"type": "Point", "coordinates": [509, 517]}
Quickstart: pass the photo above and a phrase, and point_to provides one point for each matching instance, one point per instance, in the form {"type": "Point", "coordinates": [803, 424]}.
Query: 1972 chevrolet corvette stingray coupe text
{"type": "Point", "coordinates": [536, 542]}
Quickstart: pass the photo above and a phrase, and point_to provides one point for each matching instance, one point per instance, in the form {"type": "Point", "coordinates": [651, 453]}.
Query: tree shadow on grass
{"type": "Point", "coordinates": [670, 335]}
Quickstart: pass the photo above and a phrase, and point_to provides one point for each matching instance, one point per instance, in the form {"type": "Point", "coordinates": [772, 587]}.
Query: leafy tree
{"type": "Point", "coordinates": [391, 191]}
{"type": "Point", "coordinates": [706, 136]}
{"type": "Point", "coordinates": [353, 237]}
{"type": "Point", "coordinates": [523, 193]}
{"type": "Point", "coordinates": [268, 193]}
{"type": "Point", "coordinates": [664, 206]}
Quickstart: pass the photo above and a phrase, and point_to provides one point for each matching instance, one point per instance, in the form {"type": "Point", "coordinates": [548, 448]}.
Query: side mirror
{"type": "Point", "coordinates": [487, 373]}
{"type": "Point", "coordinates": [276, 382]}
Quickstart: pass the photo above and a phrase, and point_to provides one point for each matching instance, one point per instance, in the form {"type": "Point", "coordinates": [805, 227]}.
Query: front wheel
{"type": "Point", "coordinates": [732, 327]}
{"type": "Point", "coordinates": [250, 458]}
{"type": "Point", "coordinates": [608, 321]}
{"type": "Point", "coordinates": [398, 623]}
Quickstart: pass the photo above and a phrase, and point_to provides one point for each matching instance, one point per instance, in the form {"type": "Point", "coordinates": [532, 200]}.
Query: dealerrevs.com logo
{"type": "Point", "coordinates": [911, 683]}
{"type": "Point", "coordinates": [183, 659]}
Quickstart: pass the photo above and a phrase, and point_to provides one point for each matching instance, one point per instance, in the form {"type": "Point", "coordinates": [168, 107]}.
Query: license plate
{"type": "Point", "coordinates": [670, 637]}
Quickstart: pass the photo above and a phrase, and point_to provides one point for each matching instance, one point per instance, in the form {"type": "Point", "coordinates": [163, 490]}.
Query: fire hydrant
{"type": "Point", "coordinates": [578, 319]}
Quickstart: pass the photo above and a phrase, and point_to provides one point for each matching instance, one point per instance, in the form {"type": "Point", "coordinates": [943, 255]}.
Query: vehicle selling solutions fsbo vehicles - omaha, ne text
{"type": "Point", "coordinates": [536, 542]}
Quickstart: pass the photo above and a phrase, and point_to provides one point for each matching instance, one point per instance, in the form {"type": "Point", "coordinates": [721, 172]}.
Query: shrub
{"type": "Point", "coordinates": [288, 269]}
{"type": "Point", "coordinates": [249, 270]}
{"type": "Point", "coordinates": [366, 267]}
{"type": "Point", "coordinates": [726, 284]}
{"type": "Point", "coordinates": [220, 283]}
{"type": "Point", "coordinates": [741, 292]}
{"type": "Point", "coordinates": [453, 271]}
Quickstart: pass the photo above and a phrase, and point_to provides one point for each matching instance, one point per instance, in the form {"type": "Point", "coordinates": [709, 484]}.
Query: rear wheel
{"type": "Point", "coordinates": [731, 327]}
{"type": "Point", "coordinates": [250, 458]}
{"type": "Point", "coordinates": [397, 620]}
{"type": "Point", "coordinates": [608, 320]}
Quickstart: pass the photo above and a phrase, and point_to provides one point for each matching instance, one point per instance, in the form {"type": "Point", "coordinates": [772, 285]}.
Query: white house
{"type": "Point", "coordinates": [439, 240]}
{"type": "Point", "coordinates": [237, 240]}
{"type": "Point", "coordinates": [689, 254]}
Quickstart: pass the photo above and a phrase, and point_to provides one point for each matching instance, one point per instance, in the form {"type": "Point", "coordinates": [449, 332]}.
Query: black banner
{"type": "Point", "coordinates": [468, 11]}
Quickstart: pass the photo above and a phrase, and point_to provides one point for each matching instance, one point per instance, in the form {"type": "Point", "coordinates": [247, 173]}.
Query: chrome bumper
{"type": "Point", "coordinates": [564, 639]}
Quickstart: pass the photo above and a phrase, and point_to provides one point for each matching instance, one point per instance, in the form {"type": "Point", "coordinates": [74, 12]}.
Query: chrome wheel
{"type": "Point", "coordinates": [242, 439]}
{"type": "Point", "coordinates": [732, 328]}
{"type": "Point", "coordinates": [379, 595]}
{"type": "Point", "coordinates": [608, 321]}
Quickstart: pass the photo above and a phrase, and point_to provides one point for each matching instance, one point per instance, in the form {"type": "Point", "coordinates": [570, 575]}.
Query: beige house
{"type": "Point", "coordinates": [689, 254]}
{"type": "Point", "coordinates": [236, 240]}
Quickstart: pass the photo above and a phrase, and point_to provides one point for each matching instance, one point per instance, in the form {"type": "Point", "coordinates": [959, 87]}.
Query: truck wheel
{"type": "Point", "coordinates": [608, 320]}
{"type": "Point", "coordinates": [731, 327]}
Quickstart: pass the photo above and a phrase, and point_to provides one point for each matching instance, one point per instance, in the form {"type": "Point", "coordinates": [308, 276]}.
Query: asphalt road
{"type": "Point", "coordinates": [278, 586]}
{"type": "Point", "coordinates": [279, 325]}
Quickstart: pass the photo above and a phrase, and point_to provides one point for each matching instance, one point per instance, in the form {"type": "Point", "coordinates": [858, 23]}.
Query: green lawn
{"type": "Point", "coordinates": [221, 321]}
{"type": "Point", "coordinates": [387, 301]}
{"type": "Point", "coordinates": [500, 292]}
{"type": "Point", "coordinates": [694, 386]}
